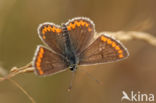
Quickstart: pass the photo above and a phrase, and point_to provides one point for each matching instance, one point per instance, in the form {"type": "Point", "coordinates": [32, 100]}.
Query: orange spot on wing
{"type": "Point", "coordinates": [43, 32]}
{"type": "Point", "coordinates": [77, 23]}
{"type": "Point", "coordinates": [39, 60]}
{"type": "Point", "coordinates": [87, 24]}
{"type": "Point", "coordinates": [49, 28]}
{"type": "Point", "coordinates": [38, 64]}
{"type": "Point", "coordinates": [58, 30]}
{"type": "Point", "coordinates": [69, 28]}
{"type": "Point", "coordinates": [109, 41]}
{"type": "Point", "coordinates": [72, 25]}
{"type": "Point", "coordinates": [41, 50]}
{"type": "Point", "coordinates": [40, 71]}
{"type": "Point", "coordinates": [82, 23]}
{"type": "Point", "coordinates": [117, 48]}
{"type": "Point", "coordinates": [45, 29]}
{"type": "Point", "coordinates": [120, 51]}
{"type": "Point", "coordinates": [113, 44]}
{"type": "Point", "coordinates": [53, 29]}
{"type": "Point", "coordinates": [40, 55]}
{"type": "Point", "coordinates": [89, 29]}
{"type": "Point", "coordinates": [44, 37]}
{"type": "Point", "coordinates": [121, 56]}
{"type": "Point", "coordinates": [103, 38]}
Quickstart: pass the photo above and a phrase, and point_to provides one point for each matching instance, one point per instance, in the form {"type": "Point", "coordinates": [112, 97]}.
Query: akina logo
{"type": "Point", "coordinates": [137, 97]}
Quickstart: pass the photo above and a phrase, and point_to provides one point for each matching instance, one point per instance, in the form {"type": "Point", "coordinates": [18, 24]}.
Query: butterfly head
{"type": "Point", "coordinates": [73, 67]}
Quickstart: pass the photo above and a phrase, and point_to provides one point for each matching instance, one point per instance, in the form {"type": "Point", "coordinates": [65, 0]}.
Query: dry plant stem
{"type": "Point", "coordinates": [120, 35]}
{"type": "Point", "coordinates": [25, 92]}
{"type": "Point", "coordinates": [14, 71]}
{"type": "Point", "coordinates": [133, 35]}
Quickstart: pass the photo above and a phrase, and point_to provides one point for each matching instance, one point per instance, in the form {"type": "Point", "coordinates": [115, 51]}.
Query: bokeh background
{"type": "Point", "coordinates": [19, 20]}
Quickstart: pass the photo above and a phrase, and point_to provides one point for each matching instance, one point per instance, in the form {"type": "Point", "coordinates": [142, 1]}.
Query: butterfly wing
{"type": "Point", "coordinates": [52, 35]}
{"type": "Point", "coordinates": [47, 62]}
{"type": "Point", "coordinates": [103, 49]}
{"type": "Point", "coordinates": [81, 31]}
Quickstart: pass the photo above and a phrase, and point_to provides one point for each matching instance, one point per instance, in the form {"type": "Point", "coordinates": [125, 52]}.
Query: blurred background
{"type": "Point", "coordinates": [19, 20]}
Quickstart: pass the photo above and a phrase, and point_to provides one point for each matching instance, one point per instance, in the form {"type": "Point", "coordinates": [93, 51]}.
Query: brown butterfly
{"type": "Point", "coordinates": [73, 44]}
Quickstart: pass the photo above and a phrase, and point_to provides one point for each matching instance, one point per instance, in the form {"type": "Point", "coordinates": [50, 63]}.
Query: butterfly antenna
{"type": "Point", "coordinates": [93, 78]}
{"type": "Point", "coordinates": [71, 82]}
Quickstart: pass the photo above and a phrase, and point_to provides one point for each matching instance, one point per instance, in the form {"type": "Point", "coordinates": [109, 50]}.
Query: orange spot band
{"type": "Point", "coordinates": [50, 29]}
{"type": "Point", "coordinates": [78, 24]}
{"type": "Point", "coordinates": [39, 59]}
{"type": "Point", "coordinates": [114, 45]}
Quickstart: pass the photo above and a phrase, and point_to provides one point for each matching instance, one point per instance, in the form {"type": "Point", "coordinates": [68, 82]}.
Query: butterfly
{"type": "Point", "coordinates": [72, 44]}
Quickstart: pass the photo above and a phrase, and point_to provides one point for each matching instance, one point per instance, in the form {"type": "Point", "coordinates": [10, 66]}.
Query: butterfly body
{"type": "Point", "coordinates": [70, 54]}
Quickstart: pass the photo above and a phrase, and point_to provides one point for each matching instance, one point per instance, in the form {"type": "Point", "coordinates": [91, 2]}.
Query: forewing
{"type": "Point", "coordinates": [81, 31]}
{"type": "Point", "coordinates": [104, 49]}
{"type": "Point", "coordinates": [47, 62]}
{"type": "Point", "coordinates": [52, 35]}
